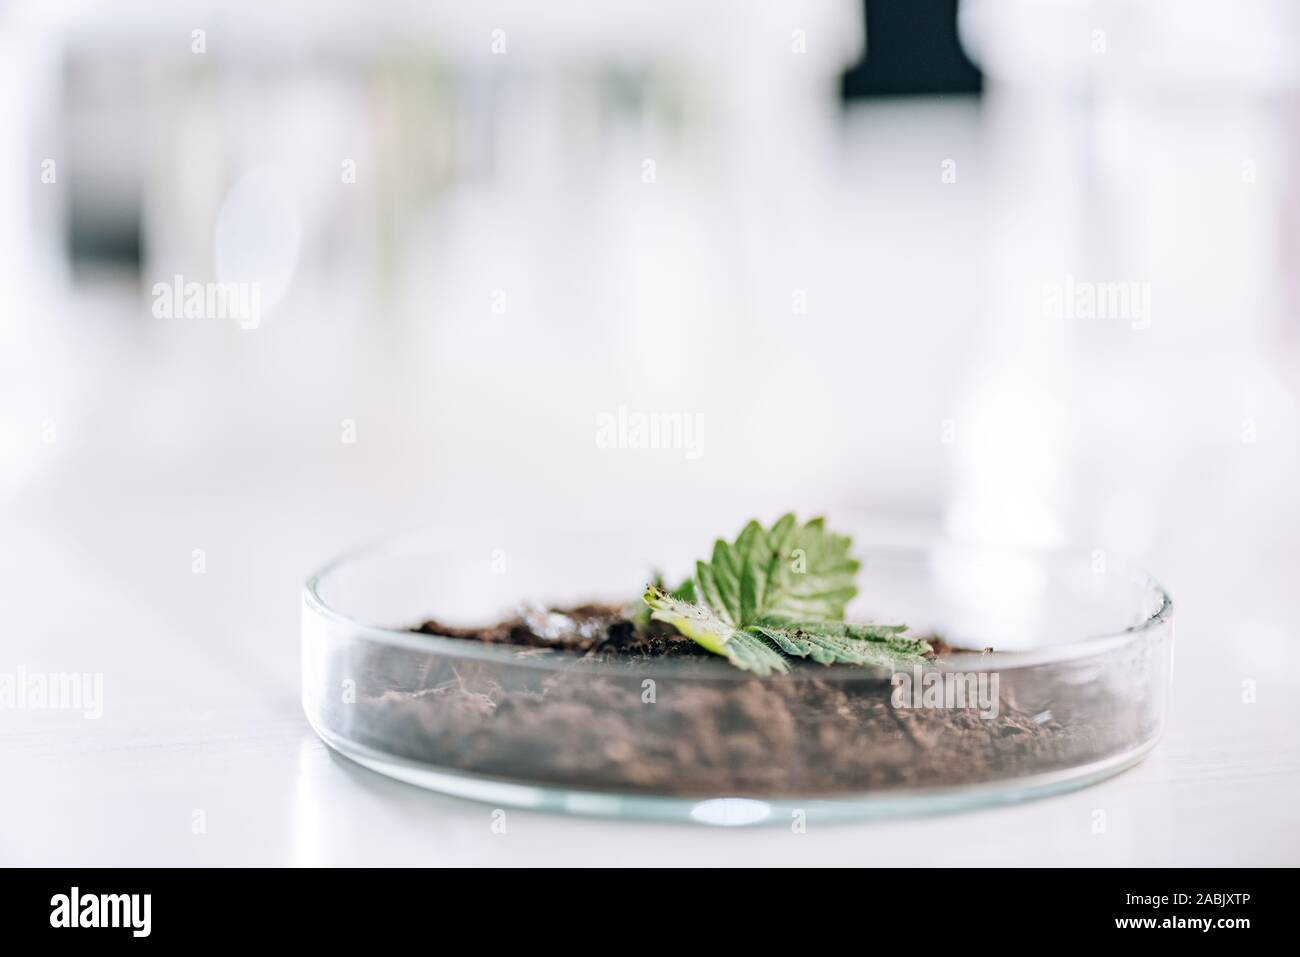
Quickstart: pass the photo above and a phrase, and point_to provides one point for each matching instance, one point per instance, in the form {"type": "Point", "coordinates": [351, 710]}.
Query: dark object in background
{"type": "Point", "coordinates": [911, 48]}
{"type": "Point", "coordinates": [103, 162]}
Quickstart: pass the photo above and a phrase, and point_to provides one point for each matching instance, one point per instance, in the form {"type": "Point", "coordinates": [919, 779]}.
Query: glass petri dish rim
{"type": "Point", "coordinates": [1098, 644]}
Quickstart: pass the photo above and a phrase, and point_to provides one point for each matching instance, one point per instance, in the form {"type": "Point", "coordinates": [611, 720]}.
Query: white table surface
{"type": "Point", "coordinates": [202, 714]}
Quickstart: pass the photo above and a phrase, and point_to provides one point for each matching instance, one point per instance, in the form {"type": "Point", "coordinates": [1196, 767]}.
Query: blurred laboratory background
{"type": "Point", "coordinates": [1024, 270]}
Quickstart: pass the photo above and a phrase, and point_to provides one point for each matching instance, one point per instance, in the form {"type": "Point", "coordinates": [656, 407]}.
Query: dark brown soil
{"type": "Point", "coordinates": [633, 724]}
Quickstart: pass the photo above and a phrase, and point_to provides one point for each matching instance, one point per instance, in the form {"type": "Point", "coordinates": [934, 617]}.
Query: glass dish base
{"type": "Point", "coordinates": [724, 811]}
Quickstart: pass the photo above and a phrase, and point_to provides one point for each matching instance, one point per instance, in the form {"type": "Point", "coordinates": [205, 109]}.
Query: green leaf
{"type": "Point", "coordinates": [787, 571]}
{"type": "Point", "coordinates": [703, 626]}
{"type": "Point", "coordinates": [777, 592]}
{"type": "Point", "coordinates": [836, 642]}
{"type": "Point", "coordinates": [685, 591]}
{"type": "Point", "coordinates": [640, 616]}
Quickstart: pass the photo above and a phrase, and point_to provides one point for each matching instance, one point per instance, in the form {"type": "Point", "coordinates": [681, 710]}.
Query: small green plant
{"type": "Point", "coordinates": [780, 592]}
